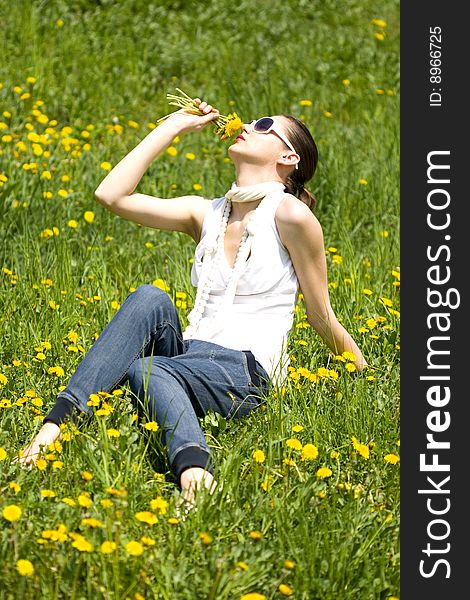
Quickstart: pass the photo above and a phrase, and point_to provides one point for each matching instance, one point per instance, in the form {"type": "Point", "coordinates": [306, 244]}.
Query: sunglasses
{"type": "Point", "coordinates": [267, 124]}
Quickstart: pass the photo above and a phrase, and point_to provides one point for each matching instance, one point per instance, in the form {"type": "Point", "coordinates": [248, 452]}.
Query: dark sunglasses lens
{"type": "Point", "coordinates": [263, 124]}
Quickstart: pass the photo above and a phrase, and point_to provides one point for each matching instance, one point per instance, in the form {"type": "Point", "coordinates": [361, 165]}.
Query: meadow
{"type": "Point", "coordinates": [309, 507]}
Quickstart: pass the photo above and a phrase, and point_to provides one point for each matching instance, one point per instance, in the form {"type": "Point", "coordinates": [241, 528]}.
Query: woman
{"type": "Point", "coordinates": [257, 247]}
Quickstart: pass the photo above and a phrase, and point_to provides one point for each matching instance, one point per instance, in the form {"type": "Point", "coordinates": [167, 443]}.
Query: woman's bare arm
{"type": "Point", "coordinates": [116, 191]}
{"type": "Point", "coordinates": [302, 235]}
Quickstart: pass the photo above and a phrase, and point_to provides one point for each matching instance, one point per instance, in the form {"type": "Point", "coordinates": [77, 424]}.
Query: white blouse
{"type": "Point", "coordinates": [262, 313]}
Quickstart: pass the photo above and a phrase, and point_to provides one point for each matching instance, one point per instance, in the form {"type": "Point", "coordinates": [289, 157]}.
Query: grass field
{"type": "Point", "coordinates": [81, 83]}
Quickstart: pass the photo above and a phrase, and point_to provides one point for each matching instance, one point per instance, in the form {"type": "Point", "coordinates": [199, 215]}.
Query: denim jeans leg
{"type": "Point", "coordinates": [146, 323]}
{"type": "Point", "coordinates": [157, 383]}
{"type": "Point", "coordinates": [179, 390]}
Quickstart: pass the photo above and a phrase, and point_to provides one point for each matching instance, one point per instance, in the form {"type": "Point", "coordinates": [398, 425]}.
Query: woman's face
{"type": "Point", "coordinates": [259, 148]}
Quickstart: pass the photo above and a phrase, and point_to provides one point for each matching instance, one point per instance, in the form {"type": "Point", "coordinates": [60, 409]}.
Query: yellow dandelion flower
{"type": "Point", "coordinates": [351, 367]}
{"type": "Point", "coordinates": [69, 501]}
{"type": "Point", "coordinates": [108, 547]}
{"type": "Point", "coordinates": [160, 283]}
{"type": "Point", "coordinates": [379, 22]}
{"type": "Point", "coordinates": [105, 165]}
{"type": "Point", "coordinates": [253, 596]}
{"type": "Point", "coordinates": [190, 155]}
{"type": "Point", "coordinates": [106, 503]}
{"type": "Point", "coordinates": [362, 449]}
{"type": "Point", "coordinates": [89, 216]}
{"type": "Point", "coordinates": [25, 567]}
{"type": "Point", "coordinates": [205, 538]}
{"type": "Point", "coordinates": [255, 535]}
{"type": "Point", "coordinates": [3, 454]}
{"type": "Point", "coordinates": [380, 36]}
{"type": "Point", "coordinates": [305, 103]}
{"type": "Point", "coordinates": [16, 487]}
{"type": "Point", "coordinates": [48, 494]}
{"type": "Point", "coordinates": [172, 151]}
{"type": "Point", "coordinates": [392, 459]}
{"type": "Point", "coordinates": [197, 186]}
{"type": "Point", "coordinates": [147, 541]}
{"type": "Point", "coordinates": [324, 472]}
{"type": "Point", "coordinates": [289, 564]}
{"type": "Point", "coordinates": [259, 456]}
{"type": "Point", "coordinates": [146, 517]}
{"type": "Point", "coordinates": [346, 82]}
{"type": "Point", "coordinates": [173, 521]}
{"type": "Point", "coordinates": [233, 124]}
{"type": "Point", "coordinates": [90, 522]}
{"type": "Point", "coordinates": [84, 500]}
{"type": "Point", "coordinates": [12, 512]}
{"type": "Point", "coordinates": [41, 464]}
{"type": "Point", "coordinates": [113, 433]}
{"type": "Point", "coordinates": [151, 426]}
{"type": "Point", "coordinates": [294, 443]}
{"type": "Point", "coordinates": [87, 476]}
{"type": "Point", "coordinates": [80, 543]}
{"type": "Point", "coordinates": [134, 548]}
{"type": "Point", "coordinates": [159, 504]}
{"type": "Point", "coordinates": [297, 428]}
{"type": "Point", "coordinates": [309, 452]}
{"type": "Point", "coordinates": [285, 590]}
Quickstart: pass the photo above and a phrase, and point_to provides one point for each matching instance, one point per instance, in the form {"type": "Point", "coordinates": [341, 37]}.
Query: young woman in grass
{"type": "Point", "coordinates": [257, 247]}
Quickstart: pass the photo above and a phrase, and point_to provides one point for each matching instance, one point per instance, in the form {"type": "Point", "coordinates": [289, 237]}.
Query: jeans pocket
{"type": "Point", "coordinates": [242, 407]}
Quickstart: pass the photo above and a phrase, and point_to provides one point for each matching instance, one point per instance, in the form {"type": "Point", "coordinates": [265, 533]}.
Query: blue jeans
{"type": "Point", "coordinates": [176, 381]}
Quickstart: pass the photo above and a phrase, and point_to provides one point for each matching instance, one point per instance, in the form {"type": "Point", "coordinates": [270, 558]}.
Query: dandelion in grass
{"type": "Point", "coordinates": [134, 548]}
{"type": "Point", "coordinates": [309, 452]}
{"type": "Point", "coordinates": [146, 517]}
{"type": "Point", "coordinates": [324, 472]}
{"type": "Point", "coordinates": [294, 443]}
{"type": "Point", "coordinates": [362, 449]}
{"type": "Point", "coordinates": [225, 125]}
{"type": "Point", "coordinates": [285, 589]}
{"type": "Point", "coordinates": [48, 494]}
{"type": "Point", "coordinates": [113, 433]}
{"type": "Point", "coordinates": [205, 538]}
{"type": "Point", "coordinates": [12, 513]}
{"type": "Point", "coordinates": [84, 500]}
{"type": "Point", "coordinates": [3, 454]}
{"type": "Point", "coordinates": [159, 504]}
{"type": "Point", "coordinates": [25, 567]}
{"type": "Point", "coordinates": [108, 547]}
{"type": "Point", "coordinates": [147, 541]}
{"type": "Point", "coordinates": [151, 426]}
{"type": "Point", "coordinates": [91, 522]}
{"type": "Point", "coordinates": [289, 564]}
{"type": "Point", "coordinates": [80, 543]}
{"type": "Point", "coordinates": [259, 456]}
{"type": "Point", "coordinates": [255, 535]}
{"type": "Point", "coordinates": [253, 596]}
{"type": "Point", "coordinates": [392, 459]}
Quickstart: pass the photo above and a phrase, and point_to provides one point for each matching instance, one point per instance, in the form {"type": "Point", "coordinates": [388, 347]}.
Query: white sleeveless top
{"type": "Point", "coordinates": [262, 313]}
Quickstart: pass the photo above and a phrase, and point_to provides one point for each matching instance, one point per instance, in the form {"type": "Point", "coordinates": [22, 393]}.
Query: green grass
{"type": "Point", "coordinates": [111, 63]}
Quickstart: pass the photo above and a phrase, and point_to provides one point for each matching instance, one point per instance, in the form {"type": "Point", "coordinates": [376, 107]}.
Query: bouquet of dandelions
{"type": "Point", "coordinates": [225, 126]}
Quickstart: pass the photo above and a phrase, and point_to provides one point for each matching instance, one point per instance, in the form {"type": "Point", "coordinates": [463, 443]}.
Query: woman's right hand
{"type": "Point", "coordinates": [186, 122]}
{"type": "Point", "coordinates": [47, 435]}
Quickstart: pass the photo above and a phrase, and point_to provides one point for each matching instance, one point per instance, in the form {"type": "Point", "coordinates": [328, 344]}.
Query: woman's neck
{"type": "Point", "coordinates": [252, 174]}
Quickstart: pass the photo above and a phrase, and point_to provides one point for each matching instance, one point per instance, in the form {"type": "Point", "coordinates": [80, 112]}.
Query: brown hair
{"type": "Point", "coordinates": [302, 140]}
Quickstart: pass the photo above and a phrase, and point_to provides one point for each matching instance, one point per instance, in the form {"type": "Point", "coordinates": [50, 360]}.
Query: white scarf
{"type": "Point", "coordinates": [248, 193]}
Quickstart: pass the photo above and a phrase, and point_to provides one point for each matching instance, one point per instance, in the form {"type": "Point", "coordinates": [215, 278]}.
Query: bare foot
{"type": "Point", "coordinates": [48, 434]}
{"type": "Point", "coordinates": [193, 479]}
